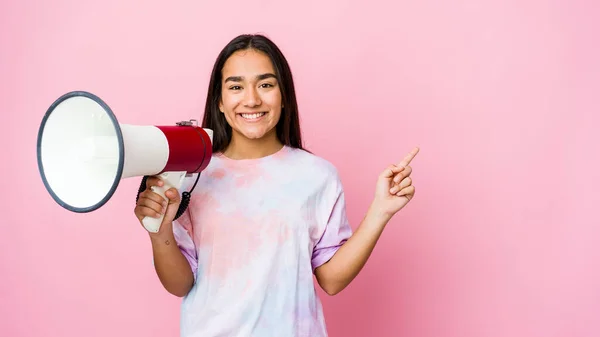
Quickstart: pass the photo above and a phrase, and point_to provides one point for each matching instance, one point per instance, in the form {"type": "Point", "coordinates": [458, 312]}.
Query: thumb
{"type": "Point", "coordinates": [174, 199]}
{"type": "Point", "coordinates": [390, 171]}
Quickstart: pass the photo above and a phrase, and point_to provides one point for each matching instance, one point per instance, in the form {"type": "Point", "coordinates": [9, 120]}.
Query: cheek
{"type": "Point", "coordinates": [273, 100]}
{"type": "Point", "coordinates": [229, 101]}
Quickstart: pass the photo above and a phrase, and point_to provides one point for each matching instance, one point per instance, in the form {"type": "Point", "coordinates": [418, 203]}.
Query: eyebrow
{"type": "Point", "coordinates": [259, 77]}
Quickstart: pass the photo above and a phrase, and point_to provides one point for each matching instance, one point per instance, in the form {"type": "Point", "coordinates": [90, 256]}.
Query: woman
{"type": "Point", "coordinates": [267, 214]}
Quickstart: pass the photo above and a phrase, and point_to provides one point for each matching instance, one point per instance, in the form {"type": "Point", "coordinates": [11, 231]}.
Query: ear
{"type": "Point", "coordinates": [221, 105]}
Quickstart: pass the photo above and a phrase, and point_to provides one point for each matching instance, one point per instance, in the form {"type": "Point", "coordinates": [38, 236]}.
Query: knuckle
{"type": "Point", "coordinates": [151, 181]}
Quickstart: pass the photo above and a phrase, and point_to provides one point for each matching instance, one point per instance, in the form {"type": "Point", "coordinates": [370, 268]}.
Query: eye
{"type": "Point", "coordinates": [235, 87]}
{"type": "Point", "coordinates": [266, 85]}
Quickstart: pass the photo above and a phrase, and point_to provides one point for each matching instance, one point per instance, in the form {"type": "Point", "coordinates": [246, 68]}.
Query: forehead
{"type": "Point", "coordinates": [247, 63]}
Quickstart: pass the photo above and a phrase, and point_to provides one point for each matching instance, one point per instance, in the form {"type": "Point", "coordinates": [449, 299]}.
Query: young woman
{"type": "Point", "coordinates": [266, 215]}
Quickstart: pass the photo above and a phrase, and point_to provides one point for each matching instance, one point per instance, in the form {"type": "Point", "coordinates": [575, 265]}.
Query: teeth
{"type": "Point", "coordinates": [253, 116]}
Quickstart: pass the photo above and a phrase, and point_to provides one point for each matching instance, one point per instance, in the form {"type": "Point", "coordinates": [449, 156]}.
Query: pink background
{"type": "Point", "coordinates": [503, 238]}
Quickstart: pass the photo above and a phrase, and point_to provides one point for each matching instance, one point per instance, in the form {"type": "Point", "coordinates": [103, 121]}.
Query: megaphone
{"type": "Point", "coordinates": [83, 153]}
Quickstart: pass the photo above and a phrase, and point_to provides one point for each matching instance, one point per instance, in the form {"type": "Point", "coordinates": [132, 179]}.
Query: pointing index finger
{"type": "Point", "coordinates": [409, 157]}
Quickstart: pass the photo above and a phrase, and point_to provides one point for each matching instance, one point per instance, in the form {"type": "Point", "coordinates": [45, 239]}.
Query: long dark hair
{"type": "Point", "coordinates": [288, 127]}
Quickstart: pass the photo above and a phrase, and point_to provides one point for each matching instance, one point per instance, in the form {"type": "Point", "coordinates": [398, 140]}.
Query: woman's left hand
{"type": "Point", "coordinates": [395, 187]}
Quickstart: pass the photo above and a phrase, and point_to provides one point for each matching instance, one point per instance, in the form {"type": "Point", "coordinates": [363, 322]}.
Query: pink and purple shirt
{"type": "Point", "coordinates": [253, 234]}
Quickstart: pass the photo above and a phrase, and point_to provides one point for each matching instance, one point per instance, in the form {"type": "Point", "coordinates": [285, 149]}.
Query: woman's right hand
{"type": "Point", "coordinates": [152, 204]}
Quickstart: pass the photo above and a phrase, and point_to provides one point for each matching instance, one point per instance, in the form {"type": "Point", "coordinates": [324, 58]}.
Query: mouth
{"type": "Point", "coordinates": [252, 116]}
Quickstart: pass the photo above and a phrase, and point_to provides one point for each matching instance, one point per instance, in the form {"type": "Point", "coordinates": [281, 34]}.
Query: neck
{"type": "Point", "coordinates": [242, 148]}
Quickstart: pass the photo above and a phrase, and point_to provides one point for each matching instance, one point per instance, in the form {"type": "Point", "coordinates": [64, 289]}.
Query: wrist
{"type": "Point", "coordinates": [165, 233]}
{"type": "Point", "coordinates": [377, 214]}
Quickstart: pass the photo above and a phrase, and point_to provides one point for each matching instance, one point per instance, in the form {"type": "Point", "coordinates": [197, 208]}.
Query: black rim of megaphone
{"type": "Point", "coordinates": [115, 123]}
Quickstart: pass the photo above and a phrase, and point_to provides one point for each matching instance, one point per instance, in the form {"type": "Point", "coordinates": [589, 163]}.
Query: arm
{"type": "Point", "coordinates": [335, 275]}
{"type": "Point", "coordinates": [393, 191]}
{"type": "Point", "coordinates": [172, 268]}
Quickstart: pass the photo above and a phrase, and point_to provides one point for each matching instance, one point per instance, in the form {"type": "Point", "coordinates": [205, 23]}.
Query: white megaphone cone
{"type": "Point", "coordinates": [83, 153]}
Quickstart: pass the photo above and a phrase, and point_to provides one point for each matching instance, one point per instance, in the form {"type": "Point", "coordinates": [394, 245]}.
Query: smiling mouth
{"type": "Point", "coordinates": [251, 116]}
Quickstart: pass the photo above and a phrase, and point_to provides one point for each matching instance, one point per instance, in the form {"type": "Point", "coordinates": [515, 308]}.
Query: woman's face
{"type": "Point", "coordinates": [250, 95]}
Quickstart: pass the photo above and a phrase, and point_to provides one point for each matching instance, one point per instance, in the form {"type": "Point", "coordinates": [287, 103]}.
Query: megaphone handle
{"type": "Point", "coordinates": [170, 179]}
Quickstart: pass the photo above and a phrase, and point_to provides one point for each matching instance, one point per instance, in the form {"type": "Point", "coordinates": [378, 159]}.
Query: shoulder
{"type": "Point", "coordinates": [312, 163]}
{"type": "Point", "coordinates": [314, 169]}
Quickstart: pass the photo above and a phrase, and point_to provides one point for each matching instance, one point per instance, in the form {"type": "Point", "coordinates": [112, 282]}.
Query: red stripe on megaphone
{"type": "Point", "coordinates": [190, 148]}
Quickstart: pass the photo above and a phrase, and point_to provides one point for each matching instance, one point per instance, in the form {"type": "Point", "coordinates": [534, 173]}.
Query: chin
{"type": "Point", "coordinates": [256, 134]}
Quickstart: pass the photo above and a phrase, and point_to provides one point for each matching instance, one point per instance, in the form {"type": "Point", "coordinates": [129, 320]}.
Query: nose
{"type": "Point", "coordinates": [251, 98]}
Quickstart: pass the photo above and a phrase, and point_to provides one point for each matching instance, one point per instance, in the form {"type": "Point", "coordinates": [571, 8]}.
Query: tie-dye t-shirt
{"type": "Point", "coordinates": [253, 234]}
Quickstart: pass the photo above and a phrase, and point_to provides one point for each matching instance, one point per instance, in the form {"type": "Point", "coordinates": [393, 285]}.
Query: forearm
{"type": "Point", "coordinates": [351, 257]}
{"type": "Point", "coordinates": [171, 266]}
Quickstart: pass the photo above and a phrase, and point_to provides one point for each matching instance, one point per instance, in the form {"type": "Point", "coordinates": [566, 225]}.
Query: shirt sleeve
{"type": "Point", "coordinates": [337, 227]}
{"type": "Point", "coordinates": [183, 233]}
